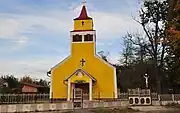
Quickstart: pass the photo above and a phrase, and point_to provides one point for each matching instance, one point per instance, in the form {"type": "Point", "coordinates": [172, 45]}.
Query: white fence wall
{"type": "Point", "coordinates": [41, 98]}
{"type": "Point", "coordinates": [23, 98]}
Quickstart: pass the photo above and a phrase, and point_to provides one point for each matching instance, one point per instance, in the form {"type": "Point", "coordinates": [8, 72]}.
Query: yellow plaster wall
{"type": "Point", "coordinates": [97, 68]}
{"type": "Point", "coordinates": [88, 24]}
{"type": "Point", "coordinates": [75, 77]}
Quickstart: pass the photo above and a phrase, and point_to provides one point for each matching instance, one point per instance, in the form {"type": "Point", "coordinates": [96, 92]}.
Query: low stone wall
{"type": "Point", "coordinates": [68, 106]}
{"type": "Point", "coordinates": [168, 102]}
{"type": "Point", "coordinates": [156, 103]}
{"type": "Point", "coordinates": [163, 103]}
{"type": "Point", "coordinates": [57, 106]}
{"type": "Point", "coordinates": [35, 107]}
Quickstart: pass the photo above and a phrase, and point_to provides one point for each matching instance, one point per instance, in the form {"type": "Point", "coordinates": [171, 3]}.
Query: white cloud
{"type": "Point", "coordinates": [8, 27]}
{"type": "Point", "coordinates": [20, 43]}
{"type": "Point", "coordinates": [104, 43]}
{"type": "Point", "coordinates": [112, 25]}
{"type": "Point", "coordinates": [107, 24]}
{"type": "Point", "coordinates": [54, 24]}
{"type": "Point", "coordinates": [36, 68]}
{"type": "Point", "coordinates": [114, 58]}
{"type": "Point", "coordinates": [13, 26]}
{"type": "Point", "coordinates": [22, 40]}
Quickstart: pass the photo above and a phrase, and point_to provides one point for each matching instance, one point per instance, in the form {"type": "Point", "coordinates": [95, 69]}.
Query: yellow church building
{"type": "Point", "coordinates": [83, 68]}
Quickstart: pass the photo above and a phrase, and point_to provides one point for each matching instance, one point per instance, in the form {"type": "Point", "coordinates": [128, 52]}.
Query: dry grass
{"type": "Point", "coordinates": [105, 110]}
{"type": "Point", "coordinates": [115, 110]}
{"type": "Point", "coordinates": [173, 105]}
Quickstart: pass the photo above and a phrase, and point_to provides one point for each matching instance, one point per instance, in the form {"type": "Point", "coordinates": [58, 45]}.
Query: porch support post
{"type": "Point", "coordinates": [69, 89]}
{"type": "Point", "coordinates": [72, 90]}
{"type": "Point", "coordinates": [90, 89]}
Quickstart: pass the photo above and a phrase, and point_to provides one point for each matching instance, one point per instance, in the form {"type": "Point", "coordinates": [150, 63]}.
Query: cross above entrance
{"type": "Point", "coordinates": [82, 62]}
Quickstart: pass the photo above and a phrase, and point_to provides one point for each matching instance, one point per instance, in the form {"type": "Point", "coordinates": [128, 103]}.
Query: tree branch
{"type": "Point", "coordinates": [150, 38]}
{"type": "Point", "coordinates": [140, 44]}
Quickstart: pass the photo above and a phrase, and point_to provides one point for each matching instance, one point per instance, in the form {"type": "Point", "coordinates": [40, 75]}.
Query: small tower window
{"type": "Point", "coordinates": [88, 37]}
{"type": "Point", "coordinates": [77, 38]}
{"type": "Point", "coordinates": [82, 23]}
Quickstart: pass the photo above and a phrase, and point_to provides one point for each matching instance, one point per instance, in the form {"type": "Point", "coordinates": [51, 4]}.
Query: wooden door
{"type": "Point", "coordinates": [85, 90]}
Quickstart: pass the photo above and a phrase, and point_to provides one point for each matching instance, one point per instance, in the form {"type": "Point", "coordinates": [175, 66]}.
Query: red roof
{"type": "Point", "coordinates": [81, 30]}
{"type": "Point", "coordinates": [83, 15]}
{"type": "Point", "coordinates": [32, 85]}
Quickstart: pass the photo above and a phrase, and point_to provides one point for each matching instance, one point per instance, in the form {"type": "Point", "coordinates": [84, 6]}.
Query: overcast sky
{"type": "Point", "coordinates": [34, 34]}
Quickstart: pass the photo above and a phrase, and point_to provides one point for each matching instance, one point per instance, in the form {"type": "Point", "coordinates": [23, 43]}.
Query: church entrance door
{"type": "Point", "coordinates": [85, 90]}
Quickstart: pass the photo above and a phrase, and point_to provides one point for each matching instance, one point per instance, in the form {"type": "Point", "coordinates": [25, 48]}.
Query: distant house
{"type": "Point", "coordinates": [30, 88]}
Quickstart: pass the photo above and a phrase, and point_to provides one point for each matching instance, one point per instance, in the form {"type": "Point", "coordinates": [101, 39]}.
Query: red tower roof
{"type": "Point", "coordinates": [83, 15]}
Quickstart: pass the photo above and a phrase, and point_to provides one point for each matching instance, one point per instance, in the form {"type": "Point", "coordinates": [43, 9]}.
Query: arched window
{"type": "Point", "coordinates": [88, 37]}
{"type": "Point", "coordinates": [77, 38]}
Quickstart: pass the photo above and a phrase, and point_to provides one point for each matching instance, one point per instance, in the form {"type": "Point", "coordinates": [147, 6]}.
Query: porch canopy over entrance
{"type": "Point", "coordinates": [79, 79]}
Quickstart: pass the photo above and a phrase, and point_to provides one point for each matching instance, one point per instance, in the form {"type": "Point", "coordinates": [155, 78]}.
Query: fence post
{"type": "Point", "coordinates": [114, 96]}
{"type": "Point", "coordinates": [28, 98]}
{"type": "Point", "coordinates": [159, 99]}
{"type": "Point", "coordinates": [17, 97]}
{"type": "Point", "coordinates": [82, 96]}
{"type": "Point", "coordinates": [73, 98]}
{"type": "Point", "coordinates": [35, 97]}
{"type": "Point", "coordinates": [8, 98]}
{"type": "Point", "coordinates": [0, 98]}
{"type": "Point", "coordinates": [99, 96]}
{"type": "Point", "coordinates": [173, 98]}
{"type": "Point", "coordinates": [51, 97]}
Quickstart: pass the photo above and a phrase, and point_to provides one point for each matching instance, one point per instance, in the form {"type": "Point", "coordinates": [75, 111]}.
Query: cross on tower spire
{"type": "Point", "coordinates": [84, 2]}
{"type": "Point", "coordinates": [83, 15]}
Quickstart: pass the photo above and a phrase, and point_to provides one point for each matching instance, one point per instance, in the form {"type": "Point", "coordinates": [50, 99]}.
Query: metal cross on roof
{"type": "Point", "coordinates": [82, 62]}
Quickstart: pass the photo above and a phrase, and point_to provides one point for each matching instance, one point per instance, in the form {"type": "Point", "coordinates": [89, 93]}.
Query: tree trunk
{"type": "Point", "coordinates": [158, 80]}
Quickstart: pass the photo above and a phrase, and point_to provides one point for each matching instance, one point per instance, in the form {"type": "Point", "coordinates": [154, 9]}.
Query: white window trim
{"type": "Point", "coordinates": [83, 33]}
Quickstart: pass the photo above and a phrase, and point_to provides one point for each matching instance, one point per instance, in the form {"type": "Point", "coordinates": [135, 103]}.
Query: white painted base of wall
{"type": "Point", "coordinates": [68, 106]}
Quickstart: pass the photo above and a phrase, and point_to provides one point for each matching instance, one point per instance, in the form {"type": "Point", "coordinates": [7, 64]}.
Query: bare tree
{"type": "Point", "coordinates": [127, 53]}
{"type": "Point", "coordinates": [153, 16]}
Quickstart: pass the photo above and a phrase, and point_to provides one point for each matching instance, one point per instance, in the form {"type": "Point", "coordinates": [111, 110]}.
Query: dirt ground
{"type": "Point", "coordinates": [137, 109]}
